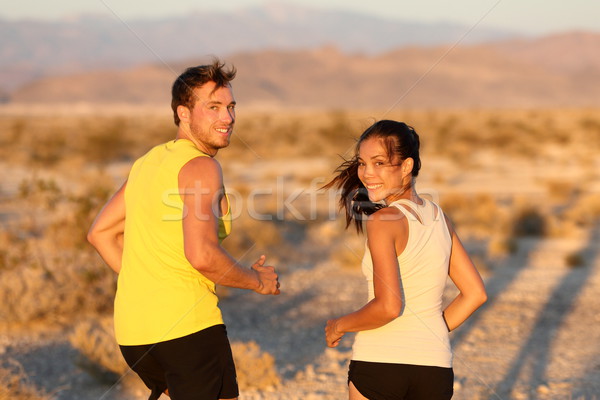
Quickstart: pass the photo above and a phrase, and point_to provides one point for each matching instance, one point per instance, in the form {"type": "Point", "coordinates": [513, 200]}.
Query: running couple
{"type": "Point", "coordinates": [161, 232]}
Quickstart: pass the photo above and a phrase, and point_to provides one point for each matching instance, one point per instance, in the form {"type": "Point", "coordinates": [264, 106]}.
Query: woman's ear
{"type": "Point", "coordinates": [407, 166]}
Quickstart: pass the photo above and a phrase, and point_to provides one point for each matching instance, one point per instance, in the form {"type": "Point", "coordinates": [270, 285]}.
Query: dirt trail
{"type": "Point", "coordinates": [538, 337]}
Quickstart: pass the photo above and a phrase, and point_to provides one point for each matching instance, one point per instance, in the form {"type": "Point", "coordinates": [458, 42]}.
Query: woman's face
{"type": "Point", "coordinates": [384, 179]}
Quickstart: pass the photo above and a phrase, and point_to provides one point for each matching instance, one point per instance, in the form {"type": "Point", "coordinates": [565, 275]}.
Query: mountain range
{"type": "Point", "coordinates": [37, 48]}
{"type": "Point", "coordinates": [298, 57]}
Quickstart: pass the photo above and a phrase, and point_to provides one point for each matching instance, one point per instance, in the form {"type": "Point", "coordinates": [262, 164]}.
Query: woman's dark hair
{"type": "Point", "coordinates": [182, 93]}
{"type": "Point", "coordinates": [401, 142]}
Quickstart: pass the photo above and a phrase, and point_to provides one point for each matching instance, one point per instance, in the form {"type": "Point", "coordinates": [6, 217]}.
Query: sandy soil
{"type": "Point", "coordinates": [538, 337]}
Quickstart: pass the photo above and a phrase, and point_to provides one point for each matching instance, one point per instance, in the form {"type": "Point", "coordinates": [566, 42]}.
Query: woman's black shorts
{"type": "Point", "coordinates": [197, 366]}
{"type": "Point", "coordinates": [385, 381]}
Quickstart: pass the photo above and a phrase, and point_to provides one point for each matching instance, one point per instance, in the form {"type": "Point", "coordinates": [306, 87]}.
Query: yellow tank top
{"type": "Point", "coordinates": [160, 296]}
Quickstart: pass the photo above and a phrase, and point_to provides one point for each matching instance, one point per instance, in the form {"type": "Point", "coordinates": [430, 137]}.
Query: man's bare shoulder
{"type": "Point", "coordinates": [201, 168]}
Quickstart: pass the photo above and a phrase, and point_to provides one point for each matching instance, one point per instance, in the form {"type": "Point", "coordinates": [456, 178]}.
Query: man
{"type": "Point", "coordinates": [161, 232]}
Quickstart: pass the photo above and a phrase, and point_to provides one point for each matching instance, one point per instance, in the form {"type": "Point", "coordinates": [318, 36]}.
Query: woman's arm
{"type": "Point", "coordinates": [387, 232]}
{"type": "Point", "coordinates": [106, 233]}
{"type": "Point", "coordinates": [465, 276]}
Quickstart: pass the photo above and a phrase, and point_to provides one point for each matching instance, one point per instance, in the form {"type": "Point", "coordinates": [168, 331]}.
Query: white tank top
{"type": "Point", "coordinates": [419, 335]}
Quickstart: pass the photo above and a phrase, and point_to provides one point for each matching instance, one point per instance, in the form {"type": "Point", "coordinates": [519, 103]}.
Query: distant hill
{"type": "Point", "coordinates": [32, 49]}
{"type": "Point", "coordinates": [523, 73]}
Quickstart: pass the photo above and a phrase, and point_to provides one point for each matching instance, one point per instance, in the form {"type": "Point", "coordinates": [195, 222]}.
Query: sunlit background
{"type": "Point", "coordinates": [505, 96]}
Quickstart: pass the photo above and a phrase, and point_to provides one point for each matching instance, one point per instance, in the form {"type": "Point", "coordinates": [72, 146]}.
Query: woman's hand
{"type": "Point", "coordinates": [332, 335]}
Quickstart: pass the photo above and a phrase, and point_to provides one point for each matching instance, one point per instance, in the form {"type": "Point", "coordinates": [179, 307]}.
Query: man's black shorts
{"type": "Point", "coordinates": [198, 366]}
{"type": "Point", "coordinates": [384, 381]}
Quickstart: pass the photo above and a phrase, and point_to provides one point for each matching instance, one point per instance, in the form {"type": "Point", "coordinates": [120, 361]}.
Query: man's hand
{"type": "Point", "coordinates": [268, 281]}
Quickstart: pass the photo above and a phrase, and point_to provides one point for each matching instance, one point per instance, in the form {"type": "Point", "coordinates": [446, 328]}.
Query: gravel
{"type": "Point", "coordinates": [538, 337]}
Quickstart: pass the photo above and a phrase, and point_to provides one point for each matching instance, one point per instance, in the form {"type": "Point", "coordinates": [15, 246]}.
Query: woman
{"type": "Point", "coordinates": [402, 349]}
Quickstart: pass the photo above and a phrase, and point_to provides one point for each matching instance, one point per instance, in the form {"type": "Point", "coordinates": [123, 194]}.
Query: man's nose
{"type": "Point", "coordinates": [228, 115]}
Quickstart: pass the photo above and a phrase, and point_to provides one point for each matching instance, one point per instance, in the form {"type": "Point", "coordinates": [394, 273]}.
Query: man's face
{"type": "Point", "coordinates": [212, 118]}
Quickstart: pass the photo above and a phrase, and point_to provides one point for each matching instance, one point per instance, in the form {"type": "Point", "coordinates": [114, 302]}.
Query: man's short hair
{"type": "Point", "coordinates": [182, 93]}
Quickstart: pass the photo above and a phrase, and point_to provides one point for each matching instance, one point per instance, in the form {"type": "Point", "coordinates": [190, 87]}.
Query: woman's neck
{"type": "Point", "coordinates": [410, 194]}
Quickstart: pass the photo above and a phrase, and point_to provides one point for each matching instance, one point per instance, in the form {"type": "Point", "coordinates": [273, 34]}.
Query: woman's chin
{"type": "Point", "coordinates": [374, 198]}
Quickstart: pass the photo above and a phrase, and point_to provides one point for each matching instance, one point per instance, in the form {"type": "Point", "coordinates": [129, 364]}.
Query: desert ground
{"type": "Point", "coordinates": [522, 187]}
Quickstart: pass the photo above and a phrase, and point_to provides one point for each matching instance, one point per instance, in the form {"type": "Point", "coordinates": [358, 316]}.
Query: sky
{"type": "Point", "coordinates": [526, 16]}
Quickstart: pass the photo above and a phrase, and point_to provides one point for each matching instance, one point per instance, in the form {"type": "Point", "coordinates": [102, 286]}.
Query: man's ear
{"type": "Point", "coordinates": [183, 113]}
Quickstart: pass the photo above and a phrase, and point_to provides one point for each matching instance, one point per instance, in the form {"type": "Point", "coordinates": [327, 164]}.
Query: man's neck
{"type": "Point", "coordinates": [182, 134]}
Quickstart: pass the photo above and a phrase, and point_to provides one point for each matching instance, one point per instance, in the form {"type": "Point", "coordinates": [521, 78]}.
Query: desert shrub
{"type": "Point", "coordinates": [529, 222]}
{"type": "Point", "coordinates": [14, 385]}
{"type": "Point", "coordinates": [250, 238]}
{"type": "Point", "coordinates": [13, 250]}
{"type": "Point", "coordinates": [107, 141]}
{"type": "Point", "coordinates": [346, 256]}
{"type": "Point", "coordinates": [40, 193]}
{"type": "Point", "coordinates": [338, 126]}
{"type": "Point", "coordinates": [585, 211]}
{"type": "Point", "coordinates": [478, 216]}
{"type": "Point", "coordinates": [70, 230]}
{"type": "Point", "coordinates": [481, 263]}
{"type": "Point", "coordinates": [99, 352]}
{"type": "Point", "coordinates": [501, 246]}
{"type": "Point", "coordinates": [48, 149]}
{"type": "Point", "coordinates": [255, 368]}
{"type": "Point", "coordinates": [47, 272]}
{"type": "Point", "coordinates": [100, 356]}
{"type": "Point", "coordinates": [68, 216]}
{"type": "Point", "coordinates": [53, 288]}
{"type": "Point", "coordinates": [560, 190]}
{"type": "Point", "coordinates": [574, 260]}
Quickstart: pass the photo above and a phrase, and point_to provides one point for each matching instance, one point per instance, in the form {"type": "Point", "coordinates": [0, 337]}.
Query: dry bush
{"type": "Point", "coordinates": [574, 260]}
{"type": "Point", "coordinates": [347, 256]}
{"type": "Point", "coordinates": [530, 222]}
{"type": "Point", "coordinates": [48, 272]}
{"type": "Point", "coordinates": [476, 216]}
{"type": "Point", "coordinates": [255, 368]}
{"type": "Point", "coordinates": [292, 134]}
{"type": "Point", "coordinates": [54, 288]}
{"type": "Point", "coordinates": [106, 141]}
{"type": "Point", "coordinates": [14, 385]}
{"type": "Point", "coordinates": [331, 241]}
{"type": "Point", "coordinates": [500, 246]}
{"type": "Point", "coordinates": [251, 237]}
{"type": "Point", "coordinates": [101, 357]}
{"type": "Point", "coordinates": [95, 341]}
{"type": "Point", "coordinates": [585, 211]}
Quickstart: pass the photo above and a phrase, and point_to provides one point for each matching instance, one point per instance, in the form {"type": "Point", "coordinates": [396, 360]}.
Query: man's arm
{"type": "Point", "coordinates": [106, 233]}
{"type": "Point", "coordinates": [201, 186]}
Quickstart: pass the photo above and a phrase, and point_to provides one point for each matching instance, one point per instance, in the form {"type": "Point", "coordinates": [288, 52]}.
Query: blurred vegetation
{"type": "Point", "coordinates": [100, 356]}
{"type": "Point", "coordinates": [67, 166]}
{"type": "Point", "coordinates": [14, 385]}
{"type": "Point", "coordinates": [58, 171]}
